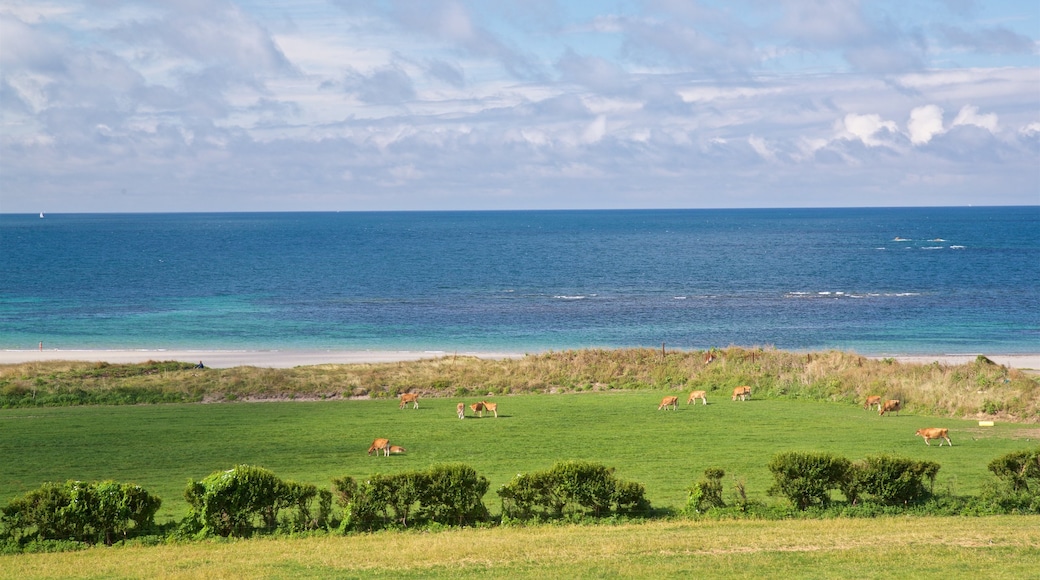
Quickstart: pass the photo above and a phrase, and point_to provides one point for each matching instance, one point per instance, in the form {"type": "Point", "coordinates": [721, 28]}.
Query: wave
{"type": "Point", "coordinates": [931, 247]}
{"type": "Point", "coordinates": [956, 247]}
{"type": "Point", "coordinates": [564, 297]}
{"type": "Point", "coordinates": [839, 294]}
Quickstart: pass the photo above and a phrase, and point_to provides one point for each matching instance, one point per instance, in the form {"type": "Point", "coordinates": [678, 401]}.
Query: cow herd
{"type": "Point", "coordinates": [382, 445]}
{"type": "Point", "coordinates": [742, 393]}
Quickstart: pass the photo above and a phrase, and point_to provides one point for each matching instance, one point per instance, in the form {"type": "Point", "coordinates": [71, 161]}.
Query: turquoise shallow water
{"type": "Point", "coordinates": [877, 281]}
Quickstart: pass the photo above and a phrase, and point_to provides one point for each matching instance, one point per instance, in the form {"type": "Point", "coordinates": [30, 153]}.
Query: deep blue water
{"type": "Point", "coordinates": [962, 280]}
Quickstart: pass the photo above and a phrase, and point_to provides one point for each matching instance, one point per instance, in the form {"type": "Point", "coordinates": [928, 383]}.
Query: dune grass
{"type": "Point", "coordinates": [1008, 547]}
{"type": "Point", "coordinates": [980, 389]}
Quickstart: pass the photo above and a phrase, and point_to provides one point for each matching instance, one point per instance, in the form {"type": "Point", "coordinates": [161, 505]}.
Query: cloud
{"type": "Point", "coordinates": [969, 115]}
{"type": "Point", "coordinates": [871, 129]}
{"type": "Point", "coordinates": [925, 122]}
{"type": "Point", "coordinates": [386, 86]}
{"type": "Point", "coordinates": [996, 40]}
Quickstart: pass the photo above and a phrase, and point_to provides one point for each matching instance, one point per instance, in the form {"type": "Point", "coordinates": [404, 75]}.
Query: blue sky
{"type": "Point", "coordinates": [210, 105]}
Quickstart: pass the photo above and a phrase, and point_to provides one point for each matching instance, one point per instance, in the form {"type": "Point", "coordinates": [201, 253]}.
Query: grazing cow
{"type": "Point", "coordinates": [460, 410]}
{"type": "Point", "coordinates": [709, 357]}
{"type": "Point", "coordinates": [380, 445]}
{"type": "Point", "coordinates": [893, 405]}
{"type": "Point", "coordinates": [935, 433]}
{"type": "Point", "coordinates": [477, 408]}
{"type": "Point", "coordinates": [873, 400]}
{"type": "Point", "coordinates": [412, 398]}
{"type": "Point", "coordinates": [397, 449]}
{"type": "Point", "coordinates": [490, 407]}
{"type": "Point", "coordinates": [744, 393]}
{"type": "Point", "coordinates": [666, 402]}
{"type": "Point", "coordinates": [703, 396]}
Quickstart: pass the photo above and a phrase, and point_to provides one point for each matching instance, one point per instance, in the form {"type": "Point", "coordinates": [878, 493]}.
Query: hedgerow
{"type": "Point", "coordinates": [571, 489]}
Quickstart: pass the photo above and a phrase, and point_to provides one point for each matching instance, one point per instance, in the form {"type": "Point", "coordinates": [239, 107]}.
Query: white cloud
{"type": "Point", "coordinates": [866, 128]}
{"type": "Point", "coordinates": [925, 122]}
{"type": "Point", "coordinates": [969, 115]}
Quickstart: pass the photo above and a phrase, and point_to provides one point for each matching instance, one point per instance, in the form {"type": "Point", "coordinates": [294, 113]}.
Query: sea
{"type": "Point", "coordinates": [876, 281]}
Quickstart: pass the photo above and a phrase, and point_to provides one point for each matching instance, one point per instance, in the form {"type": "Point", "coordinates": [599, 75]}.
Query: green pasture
{"type": "Point", "coordinates": [1006, 547]}
{"type": "Point", "coordinates": [161, 447]}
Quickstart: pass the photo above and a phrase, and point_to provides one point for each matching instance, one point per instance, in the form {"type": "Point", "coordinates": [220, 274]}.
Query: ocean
{"type": "Point", "coordinates": [874, 281]}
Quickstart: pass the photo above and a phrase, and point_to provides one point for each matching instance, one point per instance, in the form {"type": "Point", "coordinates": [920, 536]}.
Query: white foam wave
{"type": "Point", "coordinates": [564, 297]}
{"type": "Point", "coordinates": [932, 248]}
{"type": "Point", "coordinates": [956, 247]}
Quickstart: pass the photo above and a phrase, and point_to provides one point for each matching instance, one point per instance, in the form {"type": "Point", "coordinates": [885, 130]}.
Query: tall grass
{"type": "Point", "coordinates": [980, 389]}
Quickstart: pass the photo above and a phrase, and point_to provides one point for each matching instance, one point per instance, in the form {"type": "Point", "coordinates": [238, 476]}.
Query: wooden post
{"type": "Point", "coordinates": [662, 349]}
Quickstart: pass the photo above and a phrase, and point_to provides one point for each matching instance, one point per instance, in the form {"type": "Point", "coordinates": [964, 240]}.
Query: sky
{"type": "Point", "coordinates": [358, 105]}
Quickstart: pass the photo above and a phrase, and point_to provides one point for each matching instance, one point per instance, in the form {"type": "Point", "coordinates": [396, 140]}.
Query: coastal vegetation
{"type": "Point", "coordinates": [648, 492]}
{"type": "Point", "coordinates": [980, 389]}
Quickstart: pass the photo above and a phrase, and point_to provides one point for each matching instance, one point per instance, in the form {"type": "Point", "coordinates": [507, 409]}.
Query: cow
{"type": "Point", "coordinates": [744, 393]}
{"type": "Point", "coordinates": [397, 449]}
{"type": "Point", "coordinates": [666, 402]}
{"type": "Point", "coordinates": [477, 408]}
{"type": "Point", "coordinates": [871, 401]}
{"type": "Point", "coordinates": [380, 445]}
{"type": "Point", "coordinates": [935, 433]}
{"type": "Point", "coordinates": [709, 357]}
{"type": "Point", "coordinates": [490, 407]}
{"type": "Point", "coordinates": [460, 410]}
{"type": "Point", "coordinates": [703, 396]}
{"type": "Point", "coordinates": [412, 398]}
{"type": "Point", "coordinates": [893, 405]}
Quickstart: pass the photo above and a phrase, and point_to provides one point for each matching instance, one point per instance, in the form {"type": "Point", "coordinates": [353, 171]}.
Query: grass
{"type": "Point", "coordinates": [1008, 547]}
{"type": "Point", "coordinates": [161, 447]}
{"type": "Point", "coordinates": [980, 389]}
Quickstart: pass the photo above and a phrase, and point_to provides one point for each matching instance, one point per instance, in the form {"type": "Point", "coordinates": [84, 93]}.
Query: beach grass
{"type": "Point", "coordinates": [979, 390]}
{"type": "Point", "coordinates": [924, 547]}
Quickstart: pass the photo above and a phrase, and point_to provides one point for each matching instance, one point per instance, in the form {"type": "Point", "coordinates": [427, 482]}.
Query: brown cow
{"type": "Point", "coordinates": [709, 357]}
{"type": "Point", "coordinates": [935, 433]}
{"type": "Point", "coordinates": [397, 449]}
{"type": "Point", "coordinates": [460, 410]}
{"type": "Point", "coordinates": [893, 405]}
{"type": "Point", "coordinates": [743, 392]}
{"type": "Point", "coordinates": [477, 408]}
{"type": "Point", "coordinates": [380, 445]}
{"type": "Point", "coordinates": [412, 398]}
{"type": "Point", "coordinates": [490, 407]}
{"type": "Point", "coordinates": [703, 396]}
{"type": "Point", "coordinates": [873, 400]}
{"type": "Point", "coordinates": [666, 402]}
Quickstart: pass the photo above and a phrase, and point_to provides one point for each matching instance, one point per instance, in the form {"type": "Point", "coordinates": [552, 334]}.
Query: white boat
{"type": "Point", "coordinates": [41, 215]}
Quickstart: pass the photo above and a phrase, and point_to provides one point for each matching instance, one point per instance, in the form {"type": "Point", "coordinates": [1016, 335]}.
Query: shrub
{"type": "Point", "coordinates": [1018, 469]}
{"type": "Point", "coordinates": [246, 498]}
{"type": "Point", "coordinates": [807, 478]}
{"type": "Point", "coordinates": [890, 480]}
{"type": "Point", "coordinates": [83, 512]}
{"type": "Point", "coordinates": [572, 489]}
{"type": "Point", "coordinates": [454, 495]}
{"type": "Point", "coordinates": [707, 493]}
{"type": "Point", "coordinates": [450, 494]}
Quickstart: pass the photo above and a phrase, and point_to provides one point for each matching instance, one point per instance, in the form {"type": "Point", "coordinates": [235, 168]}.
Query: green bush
{"type": "Point", "coordinates": [450, 494]}
{"type": "Point", "coordinates": [1018, 469]}
{"type": "Point", "coordinates": [890, 480]}
{"type": "Point", "coordinates": [807, 478]}
{"type": "Point", "coordinates": [83, 512]}
{"type": "Point", "coordinates": [245, 499]}
{"type": "Point", "coordinates": [707, 493]}
{"type": "Point", "coordinates": [573, 489]}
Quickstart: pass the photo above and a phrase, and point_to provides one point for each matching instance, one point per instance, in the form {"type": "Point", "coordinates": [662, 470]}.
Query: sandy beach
{"type": "Point", "coordinates": [237, 358]}
{"type": "Point", "coordinates": [294, 358]}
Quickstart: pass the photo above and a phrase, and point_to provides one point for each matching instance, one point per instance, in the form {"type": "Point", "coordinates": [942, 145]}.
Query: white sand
{"type": "Point", "coordinates": [236, 358]}
{"type": "Point", "coordinates": [293, 358]}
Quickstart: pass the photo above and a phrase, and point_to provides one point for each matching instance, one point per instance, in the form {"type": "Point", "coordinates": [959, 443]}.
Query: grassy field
{"type": "Point", "coordinates": [162, 446]}
{"type": "Point", "coordinates": [1004, 547]}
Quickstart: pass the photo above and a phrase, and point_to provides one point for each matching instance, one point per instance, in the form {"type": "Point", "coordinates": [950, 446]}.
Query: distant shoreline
{"type": "Point", "coordinates": [294, 358]}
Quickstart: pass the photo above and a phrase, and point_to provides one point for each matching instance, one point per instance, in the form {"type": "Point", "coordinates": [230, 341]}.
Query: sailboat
{"type": "Point", "coordinates": [41, 215]}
